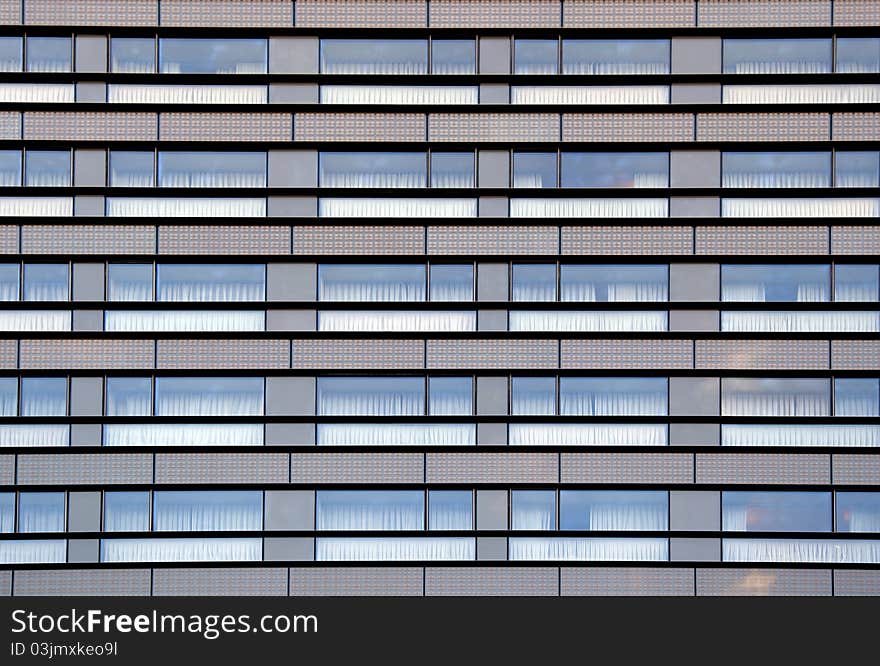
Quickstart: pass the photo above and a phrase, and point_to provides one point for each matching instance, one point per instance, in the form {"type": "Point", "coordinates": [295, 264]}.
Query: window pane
{"type": "Point", "coordinates": [213, 56]}
{"type": "Point", "coordinates": [775, 283]}
{"type": "Point", "coordinates": [453, 56]}
{"type": "Point", "coordinates": [47, 168]}
{"type": "Point", "coordinates": [858, 55]}
{"type": "Point", "coordinates": [535, 56]}
{"type": "Point", "coordinates": [373, 169]}
{"type": "Point", "coordinates": [534, 169]}
{"type": "Point", "coordinates": [450, 510]}
{"type": "Point", "coordinates": [777, 56]}
{"type": "Point", "coordinates": [8, 396]}
{"type": "Point", "coordinates": [775, 397]}
{"type": "Point", "coordinates": [131, 168]}
{"type": "Point", "coordinates": [452, 282]}
{"type": "Point", "coordinates": [623, 396]}
{"type": "Point", "coordinates": [130, 282]}
{"type": "Point", "coordinates": [858, 512]}
{"type": "Point", "coordinates": [127, 511]}
{"type": "Point", "coordinates": [370, 56]}
{"type": "Point", "coordinates": [371, 282]}
{"type": "Point", "coordinates": [133, 54]}
{"type": "Point", "coordinates": [7, 512]}
{"type": "Point", "coordinates": [856, 282]}
{"type": "Point", "coordinates": [534, 282]}
{"type": "Point", "coordinates": [41, 512]}
{"type": "Point", "coordinates": [613, 510]}
{"type": "Point", "coordinates": [615, 56]}
{"type": "Point", "coordinates": [10, 168]}
{"type": "Point", "coordinates": [9, 282]}
{"type": "Point", "coordinates": [48, 54]}
{"type": "Point", "coordinates": [534, 396]}
{"type": "Point", "coordinates": [45, 282]}
{"type": "Point", "coordinates": [450, 396]}
{"type": "Point", "coordinates": [857, 169]}
{"type": "Point", "coordinates": [628, 283]}
{"type": "Point", "coordinates": [191, 511]}
{"type": "Point", "coordinates": [776, 170]}
{"type": "Point", "coordinates": [10, 54]}
{"type": "Point", "coordinates": [615, 169]}
{"type": "Point", "coordinates": [533, 509]}
{"type": "Point", "coordinates": [129, 396]}
{"type": "Point", "coordinates": [370, 510]}
{"type": "Point", "coordinates": [776, 511]}
{"type": "Point", "coordinates": [210, 396]}
{"type": "Point", "coordinates": [211, 282]}
{"type": "Point", "coordinates": [857, 397]}
{"type": "Point", "coordinates": [371, 396]}
{"type": "Point", "coordinates": [203, 169]}
{"type": "Point", "coordinates": [452, 170]}
{"type": "Point", "coordinates": [43, 396]}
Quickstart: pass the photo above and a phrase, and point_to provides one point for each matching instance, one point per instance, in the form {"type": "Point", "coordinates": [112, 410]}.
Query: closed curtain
{"type": "Point", "coordinates": [191, 515]}
{"type": "Point", "coordinates": [35, 320]}
{"type": "Point", "coordinates": [192, 290]}
{"type": "Point", "coordinates": [607, 403]}
{"type": "Point", "coordinates": [43, 512]}
{"type": "Point", "coordinates": [412, 434]}
{"type": "Point", "coordinates": [29, 93]}
{"type": "Point", "coordinates": [589, 94]}
{"type": "Point", "coordinates": [801, 322]}
{"type": "Point", "coordinates": [800, 207]}
{"type": "Point", "coordinates": [758, 179]}
{"type": "Point", "coordinates": [589, 434]}
{"type": "Point", "coordinates": [389, 320]}
{"type": "Point", "coordinates": [629, 516]}
{"type": "Point", "coordinates": [371, 401]}
{"type": "Point", "coordinates": [7, 512]}
{"type": "Point", "coordinates": [416, 549]}
{"type": "Point", "coordinates": [198, 94]}
{"type": "Point", "coordinates": [33, 551]}
{"type": "Point", "coordinates": [450, 514]}
{"type": "Point", "coordinates": [34, 435]}
{"type": "Point", "coordinates": [176, 207]}
{"type": "Point", "coordinates": [587, 549]}
{"type": "Point", "coordinates": [802, 94]}
{"type": "Point", "coordinates": [230, 402]}
{"type": "Point", "coordinates": [181, 550]}
{"type": "Point", "coordinates": [353, 208]}
{"type": "Point", "coordinates": [398, 94]}
{"type": "Point", "coordinates": [587, 208]}
{"type": "Point", "coordinates": [800, 435]}
{"type": "Point", "coordinates": [775, 403]}
{"type": "Point", "coordinates": [183, 434]}
{"type": "Point", "coordinates": [347, 511]}
{"type": "Point", "coordinates": [548, 320]}
{"type": "Point", "coordinates": [36, 206]}
{"type": "Point", "coordinates": [182, 320]}
{"type": "Point", "coordinates": [9, 397]}
{"type": "Point", "coordinates": [397, 179]}
{"type": "Point", "coordinates": [801, 550]}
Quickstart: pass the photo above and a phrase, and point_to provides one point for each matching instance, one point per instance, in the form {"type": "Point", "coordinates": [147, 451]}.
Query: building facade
{"type": "Point", "coordinates": [546, 297]}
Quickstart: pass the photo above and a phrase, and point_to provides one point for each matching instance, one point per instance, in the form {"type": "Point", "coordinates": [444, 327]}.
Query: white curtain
{"type": "Point", "coordinates": [855, 404]}
{"type": "Point", "coordinates": [801, 550]}
{"type": "Point", "coordinates": [44, 512]}
{"type": "Point", "coordinates": [776, 179]}
{"type": "Point", "coordinates": [635, 517]}
{"type": "Point", "coordinates": [655, 291]}
{"type": "Point", "coordinates": [10, 177]}
{"type": "Point", "coordinates": [176, 207]}
{"type": "Point", "coordinates": [756, 292]}
{"type": "Point", "coordinates": [353, 208]}
{"type": "Point", "coordinates": [349, 512]}
{"type": "Point", "coordinates": [735, 518]}
{"type": "Point", "coordinates": [775, 403]}
{"type": "Point", "coordinates": [183, 320]}
{"type": "Point", "coordinates": [36, 92]}
{"type": "Point", "coordinates": [416, 549]}
{"type": "Point", "coordinates": [36, 206]}
{"type": "Point", "coordinates": [181, 550]}
{"type": "Point", "coordinates": [131, 290]}
{"type": "Point", "coordinates": [448, 515]}
{"type": "Point", "coordinates": [7, 512]}
{"type": "Point", "coordinates": [388, 320]}
{"type": "Point", "coordinates": [588, 549]}
{"type": "Point", "coordinates": [232, 178]}
{"type": "Point", "coordinates": [375, 65]}
{"type": "Point", "coordinates": [183, 434]}
{"type": "Point", "coordinates": [46, 288]}
{"type": "Point", "coordinates": [33, 551]}
{"type": "Point", "coordinates": [548, 320]}
{"type": "Point", "coordinates": [613, 403]}
{"type": "Point", "coordinates": [181, 402]}
{"type": "Point", "coordinates": [126, 515]}
{"type": "Point", "coordinates": [800, 207]}
{"type": "Point", "coordinates": [190, 514]}
{"type": "Point", "coordinates": [199, 94]}
{"type": "Point", "coordinates": [800, 435]}
{"type": "Point", "coordinates": [34, 435]}
{"type": "Point", "coordinates": [586, 434]}
{"type": "Point", "coordinates": [398, 94]}
{"type": "Point", "coordinates": [778, 67]}
{"type": "Point", "coordinates": [9, 398]}
{"type": "Point", "coordinates": [841, 178]}
{"type": "Point", "coordinates": [864, 520]}
{"type": "Point", "coordinates": [591, 67]}
{"type": "Point", "coordinates": [860, 93]}
{"type": "Point", "coordinates": [801, 322]}
{"type": "Point", "coordinates": [534, 516]}
{"type": "Point", "coordinates": [589, 94]}
{"type": "Point", "coordinates": [371, 401]}
{"type": "Point", "coordinates": [589, 208]}
{"type": "Point", "coordinates": [399, 179]}
{"type": "Point", "coordinates": [852, 292]}
{"type": "Point", "coordinates": [35, 320]}
{"type": "Point", "coordinates": [410, 434]}
{"type": "Point", "coordinates": [372, 289]}
{"type": "Point", "coordinates": [188, 291]}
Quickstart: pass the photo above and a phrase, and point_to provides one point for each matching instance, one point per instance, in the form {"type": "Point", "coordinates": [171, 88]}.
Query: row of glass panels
{"type": "Point", "coordinates": [389, 510]}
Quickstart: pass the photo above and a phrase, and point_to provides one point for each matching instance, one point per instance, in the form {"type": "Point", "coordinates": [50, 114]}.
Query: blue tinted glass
{"type": "Point", "coordinates": [7, 512]}
{"type": "Point", "coordinates": [534, 169]}
{"type": "Point", "coordinates": [776, 511]}
{"type": "Point", "coordinates": [48, 54]}
{"type": "Point", "coordinates": [371, 396]}
{"type": "Point", "coordinates": [533, 509]}
{"type": "Point", "coordinates": [857, 168]}
{"type": "Point", "coordinates": [41, 512]}
{"type": "Point", "coordinates": [775, 397]}
{"type": "Point", "coordinates": [600, 283]}
{"type": "Point", "coordinates": [533, 396]}
{"type": "Point", "coordinates": [10, 54]}
{"type": "Point", "coordinates": [453, 56]}
{"type": "Point", "coordinates": [127, 511]}
{"type": "Point", "coordinates": [47, 168]}
{"type": "Point", "coordinates": [858, 55]}
{"type": "Point", "coordinates": [858, 512]}
{"type": "Point", "coordinates": [129, 396]}
{"type": "Point", "coordinates": [452, 169]}
{"type": "Point", "coordinates": [615, 56]}
{"type": "Point", "coordinates": [9, 282]}
{"type": "Point", "coordinates": [373, 169]}
{"type": "Point", "coordinates": [450, 510]}
{"type": "Point", "coordinates": [615, 169]}
{"type": "Point", "coordinates": [372, 56]}
{"type": "Point", "coordinates": [133, 54]}
{"type": "Point", "coordinates": [213, 56]}
{"type": "Point", "coordinates": [613, 510]}
{"type": "Point", "coordinates": [775, 283]}
{"type": "Point", "coordinates": [204, 169]}
{"type": "Point", "coordinates": [209, 396]}
{"type": "Point", "coordinates": [211, 282]}
{"type": "Point", "coordinates": [452, 282]}
{"type": "Point", "coordinates": [856, 282]}
{"type": "Point", "coordinates": [43, 396]}
{"type": "Point", "coordinates": [130, 282]}
{"type": "Point", "coordinates": [451, 396]}
{"type": "Point", "coordinates": [10, 168]}
{"type": "Point", "coordinates": [371, 282]}
{"type": "Point", "coordinates": [192, 511]}
{"type": "Point", "coordinates": [370, 510]}
{"type": "Point", "coordinates": [8, 396]}
{"type": "Point", "coordinates": [535, 56]}
{"type": "Point", "coordinates": [131, 168]}
{"type": "Point", "coordinates": [857, 397]}
{"type": "Point", "coordinates": [610, 396]}
{"type": "Point", "coordinates": [46, 282]}
{"type": "Point", "coordinates": [534, 282]}
{"type": "Point", "coordinates": [777, 56]}
{"type": "Point", "coordinates": [757, 170]}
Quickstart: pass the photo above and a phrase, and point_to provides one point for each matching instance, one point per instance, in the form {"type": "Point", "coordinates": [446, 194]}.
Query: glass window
{"type": "Point", "coordinates": [613, 510]}
{"type": "Point", "coordinates": [47, 168]}
{"type": "Point", "coordinates": [43, 396]}
{"type": "Point", "coordinates": [8, 396]}
{"type": "Point", "coordinates": [372, 56]}
{"type": "Point", "coordinates": [46, 282]}
{"type": "Point", "coordinates": [371, 396]}
{"type": "Point", "coordinates": [759, 283]}
{"type": "Point", "coordinates": [857, 169]}
{"type": "Point", "coordinates": [534, 169]}
{"type": "Point", "coordinates": [602, 283]}
{"type": "Point", "coordinates": [130, 168]}
{"type": "Point", "coordinates": [10, 168]}
{"type": "Point", "coordinates": [533, 509]}
{"type": "Point", "coordinates": [777, 56]}
{"type": "Point", "coordinates": [212, 56]}
{"type": "Point", "coordinates": [534, 282]}
{"type": "Point", "coordinates": [857, 397]}
{"type": "Point", "coordinates": [130, 282]}
{"type": "Point", "coordinates": [533, 396]}
{"type": "Point", "coordinates": [191, 511]}
{"type": "Point", "coordinates": [775, 511]}
{"type": "Point", "coordinates": [615, 169]}
{"type": "Point", "coordinates": [615, 56]}
{"type": "Point", "coordinates": [209, 396]}
{"type": "Point", "coordinates": [451, 396]}
{"type": "Point", "coordinates": [203, 169]}
{"type": "Point", "coordinates": [450, 510]}
{"type": "Point", "coordinates": [757, 170]}
{"type": "Point", "coordinates": [612, 396]}
{"type": "Point", "coordinates": [127, 511]}
{"type": "Point", "coordinates": [857, 282]}
{"type": "Point", "coordinates": [211, 282]}
{"type": "Point", "coordinates": [48, 54]}
{"type": "Point", "coordinates": [9, 282]}
{"type": "Point", "coordinates": [453, 56]}
{"type": "Point", "coordinates": [452, 170]}
{"type": "Point", "coordinates": [133, 54]}
{"type": "Point", "coordinates": [775, 397]}
{"type": "Point", "coordinates": [371, 282]}
{"type": "Point", "coordinates": [858, 512]}
{"type": "Point", "coordinates": [370, 510]}
{"type": "Point", "coordinates": [452, 282]}
{"type": "Point", "coordinates": [7, 512]}
{"type": "Point", "coordinates": [129, 396]}
{"type": "Point", "coordinates": [858, 55]}
{"type": "Point", "coordinates": [535, 56]}
{"type": "Point", "coordinates": [10, 54]}
{"type": "Point", "coordinates": [373, 169]}
{"type": "Point", "coordinates": [41, 512]}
